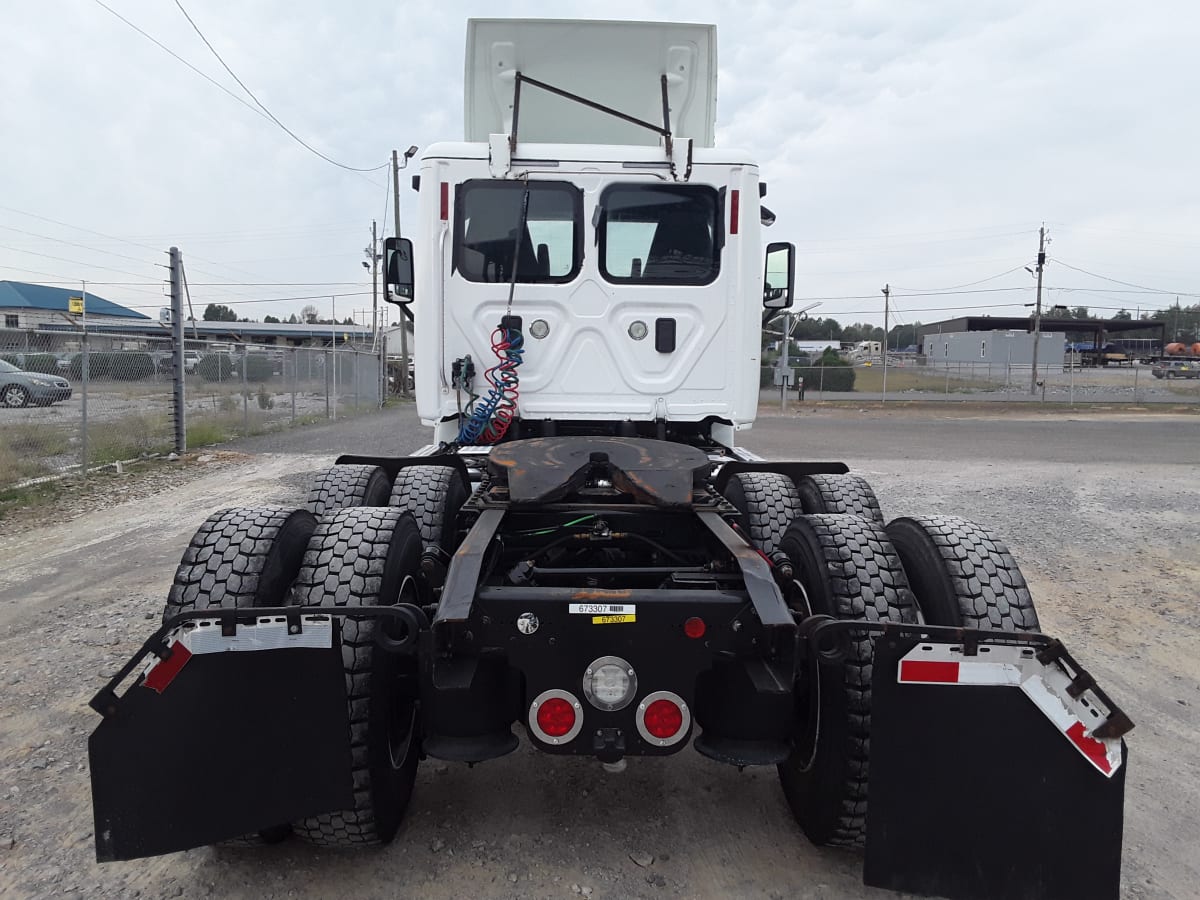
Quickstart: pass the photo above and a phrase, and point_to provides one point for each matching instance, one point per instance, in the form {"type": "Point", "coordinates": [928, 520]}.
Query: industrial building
{"type": "Point", "coordinates": [1008, 340]}
{"type": "Point", "coordinates": [992, 348]}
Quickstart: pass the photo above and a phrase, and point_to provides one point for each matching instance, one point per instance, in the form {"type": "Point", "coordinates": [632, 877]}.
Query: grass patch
{"type": "Point", "coordinates": [128, 438]}
{"type": "Point", "coordinates": [27, 448]}
{"type": "Point", "coordinates": [47, 492]}
{"type": "Point", "coordinates": [225, 424]}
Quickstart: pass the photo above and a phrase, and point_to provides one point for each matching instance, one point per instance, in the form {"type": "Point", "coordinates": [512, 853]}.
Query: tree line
{"type": "Point", "coordinates": [309, 315]}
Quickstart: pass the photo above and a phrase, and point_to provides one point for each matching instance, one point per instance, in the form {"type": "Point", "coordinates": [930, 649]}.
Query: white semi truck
{"type": "Point", "coordinates": [583, 553]}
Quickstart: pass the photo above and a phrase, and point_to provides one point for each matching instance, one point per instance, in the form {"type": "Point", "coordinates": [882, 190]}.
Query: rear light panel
{"type": "Point", "coordinates": [663, 719]}
{"type": "Point", "coordinates": [556, 717]}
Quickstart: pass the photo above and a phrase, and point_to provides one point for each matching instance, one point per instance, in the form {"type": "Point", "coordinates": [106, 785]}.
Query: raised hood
{"type": "Point", "coordinates": [618, 64]}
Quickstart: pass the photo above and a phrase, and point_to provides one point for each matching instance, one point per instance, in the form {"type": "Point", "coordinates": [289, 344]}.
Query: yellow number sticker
{"type": "Point", "coordinates": [612, 620]}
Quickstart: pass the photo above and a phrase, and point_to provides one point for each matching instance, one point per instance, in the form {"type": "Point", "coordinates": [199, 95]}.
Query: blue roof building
{"type": "Point", "coordinates": [17, 297]}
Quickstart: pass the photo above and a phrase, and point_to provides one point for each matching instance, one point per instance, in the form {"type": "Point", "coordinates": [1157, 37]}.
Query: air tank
{"type": "Point", "coordinates": [1174, 349]}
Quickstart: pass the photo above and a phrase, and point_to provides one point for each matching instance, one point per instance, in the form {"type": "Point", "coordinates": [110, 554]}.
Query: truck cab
{"type": "Point", "coordinates": [618, 287]}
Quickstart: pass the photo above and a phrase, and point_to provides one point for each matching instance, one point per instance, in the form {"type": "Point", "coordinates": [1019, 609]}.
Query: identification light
{"type": "Point", "coordinates": [609, 683]}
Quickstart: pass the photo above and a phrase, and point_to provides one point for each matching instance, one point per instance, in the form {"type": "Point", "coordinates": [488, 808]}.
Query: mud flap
{"type": "Point", "coordinates": [987, 779]}
{"type": "Point", "coordinates": [210, 744]}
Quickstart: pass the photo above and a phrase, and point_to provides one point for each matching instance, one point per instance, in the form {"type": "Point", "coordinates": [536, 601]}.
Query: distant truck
{"type": "Point", "coordinates": [863, 350]}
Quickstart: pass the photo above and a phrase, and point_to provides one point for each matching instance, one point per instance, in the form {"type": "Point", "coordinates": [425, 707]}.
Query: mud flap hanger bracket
{"type": "Point", "coordinates": [827, 636]}
{"type": "Point", "coordinates": [407, 619]}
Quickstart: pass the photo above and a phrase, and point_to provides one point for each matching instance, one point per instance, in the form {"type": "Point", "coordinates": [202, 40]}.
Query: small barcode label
{"type": "Point", "coordinates": [603, 609]}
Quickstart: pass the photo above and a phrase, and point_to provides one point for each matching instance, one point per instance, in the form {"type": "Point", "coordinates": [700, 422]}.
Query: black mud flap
{"type": "Point", "coordinates": [989, 776]}
{"type": "Point", "coordinates": [212, 744]}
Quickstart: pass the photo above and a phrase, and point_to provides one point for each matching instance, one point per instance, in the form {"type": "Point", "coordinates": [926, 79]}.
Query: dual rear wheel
{"type": "Point", "coordinates": [942, 570]}
{"type": "Point", "coordinates": [359, 542]}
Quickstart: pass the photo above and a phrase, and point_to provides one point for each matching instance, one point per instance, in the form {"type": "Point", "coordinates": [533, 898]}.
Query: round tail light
{"type": "Point", "coordinates": [663, 718]}
{"type": "Point", "coordinates": [555, 717]}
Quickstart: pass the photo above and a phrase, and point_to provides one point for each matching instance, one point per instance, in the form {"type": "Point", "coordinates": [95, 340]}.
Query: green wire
{"type": "Point", "coordinates": [540, 531]}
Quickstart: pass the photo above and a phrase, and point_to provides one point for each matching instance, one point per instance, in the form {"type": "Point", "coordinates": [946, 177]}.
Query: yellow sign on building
{"type": "Point", "coordinates": [75, 305]}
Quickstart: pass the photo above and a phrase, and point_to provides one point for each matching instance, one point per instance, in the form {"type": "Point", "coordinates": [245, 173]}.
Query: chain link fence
{"type": "Point", "coordinates": [913, 378]}
{"type": "Point", "coordinates": [69, 403]}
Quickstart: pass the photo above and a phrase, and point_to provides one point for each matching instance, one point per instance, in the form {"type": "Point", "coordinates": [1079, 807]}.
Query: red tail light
{"type": "Point", "coordinates": [555, 717]}
{"type": "Point", "coordinates": [663, 718]}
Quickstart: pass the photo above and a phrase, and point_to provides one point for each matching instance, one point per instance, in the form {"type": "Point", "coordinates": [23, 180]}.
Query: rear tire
{"type": "Point", "coordinates": [838, 494]}
{"type": "Point", "coordinates": [434, 495]}
{"type": "Point", "coordinates": [242, 559]}
{"type": "Point", "coordinates": [850, 571]}
{"type": "Point", "coordinates": [962, 574]}
{"type": "Point", "coordinates": [368, 556]}
{"type": "Point", "coordinates": [344, 486]}
{"type": "Point", "coordinates": [768, 503]}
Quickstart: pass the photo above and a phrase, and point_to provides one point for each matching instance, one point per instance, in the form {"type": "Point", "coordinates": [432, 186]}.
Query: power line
{"type": "Point", "coordinates": [969, 283]}
{"type": "Point", "coordinates": [75, 261]}
{"type": "Point", "coordinates": [1126, 283]}
{"type": "Point", "coordinates": [73, 244]}
{"type": "Point", "coordinates": [270, 114]}
{"type": "Point", "coordinates": [122, 240]}
{"type": "Point", "coordinates": [207, 78]}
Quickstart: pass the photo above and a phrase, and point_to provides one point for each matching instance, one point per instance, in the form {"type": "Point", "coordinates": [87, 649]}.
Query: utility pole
{"type": "Point", "coordinates": [374, 252]}
{"type": "Point", "coordinates": [403, 318]}
{"type": "Point", "coordinates": [886, 296]}
{"type": "Point", "coordinates": [333, 357]}
{"type": "Point", "coordinates": [784, 368]}
{"type": "Point", "coordinates": [86, 375]}
{"type": "Point", "coordinates": [177, 335]}
{"type": "Point", "coordinates": [1037, 313]}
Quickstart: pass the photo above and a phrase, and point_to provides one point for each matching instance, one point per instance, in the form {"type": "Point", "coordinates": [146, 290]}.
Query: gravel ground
{"type": "Point", "coordinates": [1099, 510]}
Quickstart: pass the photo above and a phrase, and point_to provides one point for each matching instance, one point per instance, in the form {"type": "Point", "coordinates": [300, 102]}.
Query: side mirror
{"type": "Point", "coordinates": [398, 270]}
{"type": "Point", "coordinates": [779, 279]}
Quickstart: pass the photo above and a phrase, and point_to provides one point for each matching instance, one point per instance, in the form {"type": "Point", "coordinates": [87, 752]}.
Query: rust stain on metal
{"type": "Point", "coordinates": [602, 595]}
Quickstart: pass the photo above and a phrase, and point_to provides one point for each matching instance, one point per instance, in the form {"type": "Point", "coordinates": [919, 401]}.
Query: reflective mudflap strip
{"type": "Point", "coordinates": [1044, 684]}
{"type": "Point", "coordinates": [204, 636]}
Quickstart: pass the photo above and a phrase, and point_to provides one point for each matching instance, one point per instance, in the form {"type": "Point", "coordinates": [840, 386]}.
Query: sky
{"type": "Point", "coordinates": [917, 144]}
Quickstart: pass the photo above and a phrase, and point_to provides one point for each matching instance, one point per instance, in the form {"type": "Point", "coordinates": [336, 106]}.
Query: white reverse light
{"type": "Point", "coordinates": [609, 683]}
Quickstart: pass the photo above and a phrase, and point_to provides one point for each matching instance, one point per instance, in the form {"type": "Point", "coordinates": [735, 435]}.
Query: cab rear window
{"type": "Point", "coordinates": [488, 216]}
{"type": "Point", "coordinates": [660, 234]}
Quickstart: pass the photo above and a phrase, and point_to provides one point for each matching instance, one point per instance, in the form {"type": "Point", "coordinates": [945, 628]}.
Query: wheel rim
{"type": "Point", "coordinates": [402, 714]}
{"type": "Point", "coordinates": [807, 701]}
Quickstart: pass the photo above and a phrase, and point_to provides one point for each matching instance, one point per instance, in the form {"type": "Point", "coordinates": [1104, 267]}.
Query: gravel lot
{"type": "Point", "coordinates": [1099, 508]}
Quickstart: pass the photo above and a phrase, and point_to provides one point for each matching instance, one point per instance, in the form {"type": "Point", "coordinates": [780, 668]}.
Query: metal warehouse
{"type": "Point", "coordinates": [1004, 348]}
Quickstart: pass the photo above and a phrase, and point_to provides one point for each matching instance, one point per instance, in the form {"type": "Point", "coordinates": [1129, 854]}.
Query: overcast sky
{"type": "Point", "coordinates": [919, 144]}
